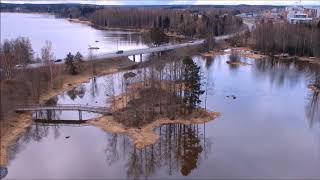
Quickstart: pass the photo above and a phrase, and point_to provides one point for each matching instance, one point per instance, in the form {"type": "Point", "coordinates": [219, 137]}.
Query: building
{"type": "Point", "coordinates": [299, 14]}
{"type": "Point", "coordinates": [298, 18]}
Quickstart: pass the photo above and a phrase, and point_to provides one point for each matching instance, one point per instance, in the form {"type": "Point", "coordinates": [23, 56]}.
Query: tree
{"type": "Point", "coordinates": [192, 83]}
{"type": "Point", "coordinates": [23, 50]}
{"type": "Point", "coordinates": [7, 62]}
{"type": "Point", "coordinates": [69, 61]}
{"type": "Point", "coordinates": [158, 36]}
{"type": "Point", "coordinates": [47, 57]}
{"type": "Point", "coordinates": [78, 58]}
{"type": "Point", "coordinates": [209, 42]}
{"type": "Point", "coordinates": [166, 23]}
{"type": "Point", "coordinates": [160, 22]}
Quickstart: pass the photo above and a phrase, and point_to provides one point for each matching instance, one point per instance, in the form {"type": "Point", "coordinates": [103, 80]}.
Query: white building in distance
{"type": "Point", "coordinates": [297, 15]}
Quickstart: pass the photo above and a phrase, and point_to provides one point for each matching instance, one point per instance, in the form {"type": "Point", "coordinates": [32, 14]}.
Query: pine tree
{"type": "Point", "coordinates": [78, 59]}
{"type": "Point", "coordinates": [192, 82]}
{"type": "Point", "coordinates": [69, 61]}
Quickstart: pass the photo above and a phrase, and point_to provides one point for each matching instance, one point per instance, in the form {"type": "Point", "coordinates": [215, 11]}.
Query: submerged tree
{"type": "Point", "coordinates": [192, 83]}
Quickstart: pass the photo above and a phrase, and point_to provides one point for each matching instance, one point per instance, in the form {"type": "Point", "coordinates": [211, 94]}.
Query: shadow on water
{"type": "Point", "coordinates": [178, 150]}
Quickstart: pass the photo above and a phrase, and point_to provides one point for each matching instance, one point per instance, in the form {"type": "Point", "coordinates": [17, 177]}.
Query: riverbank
{"type": "Point", "coordinates": [145, 135]}
{"type": "Point", "coordinates": [15, 124]}
{"type": "Point", "coordinates": [137, 30]}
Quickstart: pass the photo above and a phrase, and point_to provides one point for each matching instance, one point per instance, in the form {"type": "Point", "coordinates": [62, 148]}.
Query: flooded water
{"type": "Point", "coordinates": [269, 128]}
{"type": "Point", "coordinates": [66, 36]}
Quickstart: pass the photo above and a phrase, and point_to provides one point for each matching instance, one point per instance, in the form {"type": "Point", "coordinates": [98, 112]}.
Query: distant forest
{"type": "Point", "coordinates": [191, 21]}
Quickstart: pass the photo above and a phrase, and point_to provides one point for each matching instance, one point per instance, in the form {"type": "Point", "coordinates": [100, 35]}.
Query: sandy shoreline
{"type": "Point", "coordinates": [145, 135]}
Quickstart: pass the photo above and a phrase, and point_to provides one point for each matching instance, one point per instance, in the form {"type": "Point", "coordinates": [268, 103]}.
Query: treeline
{"type": "Point", "coordinates": [174, 20]}
{"type": "Point", "coordinates": [13, 52]}
{"type": "Point", "coordinates": [294, 39]}
{"type": "Point", "coordinates": [61, 10]}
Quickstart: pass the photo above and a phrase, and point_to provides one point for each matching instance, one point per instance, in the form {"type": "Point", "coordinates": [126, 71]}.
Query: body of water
{"type": "Point", "coordinates": [269, 128]}
{"type": "Point", "coordinates": [65, 36]}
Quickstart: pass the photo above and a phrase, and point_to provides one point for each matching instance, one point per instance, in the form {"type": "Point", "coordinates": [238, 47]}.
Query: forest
{"type": "Point", "coordinates": [294, 39]}
{"type": "Point", "coordinates": [185, 22]}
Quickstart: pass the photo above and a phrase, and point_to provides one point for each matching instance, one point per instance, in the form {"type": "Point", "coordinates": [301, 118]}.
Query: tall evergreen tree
{"type": "Point", "coordinates": [69, 61]}
{"type": "Point", "coordinates": [158, 36]}
{"type": "Point", "coordinates": [192, 83]}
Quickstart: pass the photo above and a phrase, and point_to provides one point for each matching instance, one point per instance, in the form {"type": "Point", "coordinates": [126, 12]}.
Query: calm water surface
{"type": "Point", "coordinates": [270, 130]}
{"type": "Point", "coordinates": [65, 36]}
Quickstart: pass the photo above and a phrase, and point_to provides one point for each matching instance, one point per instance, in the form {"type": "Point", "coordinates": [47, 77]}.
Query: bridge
{"type": "Point", "coordinates": [164, 47]}
{"type": "Point", "coordinates": [65, 107]}
{"type": "Point", "coordinates": [155, 49]}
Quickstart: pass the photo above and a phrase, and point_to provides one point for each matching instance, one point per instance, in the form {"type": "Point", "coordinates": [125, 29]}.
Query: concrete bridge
{"type": "Point", "coordinates": [155, 49]}
{"type": "Point", "coordinates": [162, 48]}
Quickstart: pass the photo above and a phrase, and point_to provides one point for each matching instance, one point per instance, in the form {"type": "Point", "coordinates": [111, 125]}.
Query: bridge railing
{"type": "Point", "coordinates": [61, 106]}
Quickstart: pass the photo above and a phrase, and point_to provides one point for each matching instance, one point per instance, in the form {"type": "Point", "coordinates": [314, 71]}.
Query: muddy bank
{"type": "Point", "coordinates": [310, 60]}
{"type": "Point", "coordinates": [145, 135]}
{"type": "Point", "coordinates": [237, 63]}
{"type": "Point", "coordinates": [16, 127]}
{"type": "Point", "coordinates": [212, 53]}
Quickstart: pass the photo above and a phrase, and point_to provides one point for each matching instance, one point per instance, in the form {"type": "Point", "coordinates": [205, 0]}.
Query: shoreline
{"type": "Point", "coordinates": [17, 125]}
{"type": "Point", "coordinates": [145, 135]}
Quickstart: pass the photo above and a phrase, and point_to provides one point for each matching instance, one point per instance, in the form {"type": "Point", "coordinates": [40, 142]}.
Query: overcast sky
{"type": "Point", "coordinates": [173, 2]}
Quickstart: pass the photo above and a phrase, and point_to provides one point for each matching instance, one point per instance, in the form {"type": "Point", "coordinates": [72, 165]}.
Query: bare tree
{"type": "Point", "coordinates": [48, 58]}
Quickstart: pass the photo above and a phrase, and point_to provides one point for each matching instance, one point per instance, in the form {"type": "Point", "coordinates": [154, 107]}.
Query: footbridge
{"type": "Point", "coordinates": [65, 107]}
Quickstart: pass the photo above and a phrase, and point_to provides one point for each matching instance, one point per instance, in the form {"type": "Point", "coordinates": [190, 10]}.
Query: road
{"type": "Point", "coordinates": [157, 48]}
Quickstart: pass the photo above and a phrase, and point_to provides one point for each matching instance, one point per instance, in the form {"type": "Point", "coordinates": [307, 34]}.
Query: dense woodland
{"type": "Point", "coordinates": [181, 21]}
{"type": "Point", "coordinates": [294, 39]}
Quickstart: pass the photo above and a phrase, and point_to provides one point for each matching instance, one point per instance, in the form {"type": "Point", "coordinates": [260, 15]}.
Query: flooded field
{"type": "Point", "coordinates": [269, 128]}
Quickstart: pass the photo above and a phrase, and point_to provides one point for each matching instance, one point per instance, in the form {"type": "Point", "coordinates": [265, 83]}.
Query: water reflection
{"type": "Point", "coordinates": [293, 73]}
{"type": "Point", "coordinates": [77, 92]}
{"type": "Point", "coordinates": [312, 107]}
{"type": "Point", "coordinates": [177, 153]}
{"type": "Point", "coordinates": [179, 149]}
{"type": "Point", "coordinates": [261, 134]}
{"type": "Point", "coordinates": [38, 26]}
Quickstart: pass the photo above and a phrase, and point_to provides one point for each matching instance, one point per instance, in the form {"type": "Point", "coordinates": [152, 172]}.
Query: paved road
{"type": "Point", "coordinates": [158, 48]}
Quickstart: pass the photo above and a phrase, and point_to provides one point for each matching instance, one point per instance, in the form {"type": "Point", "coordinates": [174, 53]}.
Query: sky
{"type": "Point", "coordinates": [173, 2]}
